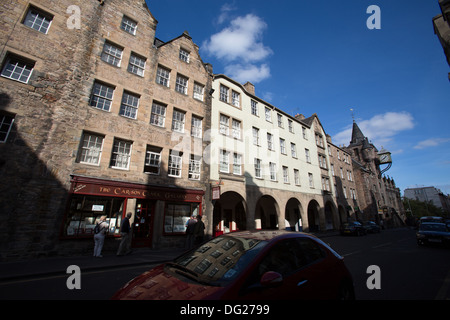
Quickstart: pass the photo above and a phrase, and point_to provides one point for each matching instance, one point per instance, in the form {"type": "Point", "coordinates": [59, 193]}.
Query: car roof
{"type": "Point", "coordinates": [432, 223]}
{"type": "Point", "coordinates": [267, 235]}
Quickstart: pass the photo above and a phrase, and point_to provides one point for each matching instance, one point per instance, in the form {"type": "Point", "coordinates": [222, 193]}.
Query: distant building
{"type": "Point", "coordinates": [426, 194]}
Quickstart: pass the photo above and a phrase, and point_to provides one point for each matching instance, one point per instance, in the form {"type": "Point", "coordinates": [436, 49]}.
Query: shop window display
{"type": "Point", "coordinates": [177, 215]}
{"type": "Point", "coordinates": [85, 211]}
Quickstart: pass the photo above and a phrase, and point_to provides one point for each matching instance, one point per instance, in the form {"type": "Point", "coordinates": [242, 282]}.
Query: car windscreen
{"type": "Point", "coordinates": [217, 262]}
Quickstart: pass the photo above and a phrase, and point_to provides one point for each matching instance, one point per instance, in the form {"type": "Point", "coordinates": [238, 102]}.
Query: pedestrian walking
{"type": "Point", "coordinates": [99, 236]}
{"type": "Point", "coordinates": [125, 232]}
{"type": "Point", "coordinates": [199, 230]}
{"type": "Point", "coordinates": [190, 225]}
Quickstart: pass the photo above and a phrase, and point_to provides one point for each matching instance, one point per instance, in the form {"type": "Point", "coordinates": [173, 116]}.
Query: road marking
{"type": "Point", "coordinates": [441, 295]}
{"type": "Point", "coordinates": [354, 252]}
{"type": "Point", "coordinates": [382, 245]}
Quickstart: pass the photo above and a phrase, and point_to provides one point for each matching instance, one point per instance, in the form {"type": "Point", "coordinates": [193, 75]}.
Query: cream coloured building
{"type": "Point", "coordinates": [273, 169]}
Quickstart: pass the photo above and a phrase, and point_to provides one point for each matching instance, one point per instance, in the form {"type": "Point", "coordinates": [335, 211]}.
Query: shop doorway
{"type": "Point", "coordinates": [143, 224]}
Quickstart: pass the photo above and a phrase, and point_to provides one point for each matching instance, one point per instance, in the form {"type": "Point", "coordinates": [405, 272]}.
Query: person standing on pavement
{"type": "Point", "coordinates": [199, 230]}
{"type": "Point", "coordinates": [99, 237]}
{"type": "Point", "coordinates": [190, 225]}
{"type": "Point", "coordinates": [125, 232]}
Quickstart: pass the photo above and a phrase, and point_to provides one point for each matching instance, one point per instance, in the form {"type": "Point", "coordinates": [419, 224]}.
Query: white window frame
{"type": "Point", "coordinates": [296, 177]}
{"type": "Point", "coordinates": [224, 91]}
{"type": "Point", "coordinates": [235, 99]}
{"type": "Point", "coordinates": [181, 84]}
{"type": "Point", "coordinates": [158, 114]}
{"type": "Point", "coordinates": [236, 128]}
{"type": "Point", "coordinates": [254, 108]}
{"type": "Point", "coordinates": [280, 120]}
{"type": "Point", "coordinates": [38, 19]}
{"type": "Point", "coordinates": [184, 55]}
{"type": "Point", "coordinates": [18, 69]}
{"type": "Point", "coordinates": [268, 114]}
{"type": "Point", "coordinates": [112, 54]}
{"type": "Point", "coordinates": [291, 125]}
{"type": "Point", "coordinates": [307, 156]}
{"type": "Point", "coordinates": [102, 96]}
{"type": "Point", "coordinates": [121, 154]}
{"type": "Point", "coordinates": [273, 171]}
{"type": "Point", "coordinates": [178, 119]}
{"type": "Point", "coordinates": [311, 180]}
{"type": "Point", "coordinates": [270, 144]}
{"type": "Point", "coordinates": [129, 106]}
{"type": "Point", "coordinates": [224, 126]}
{"type": "Point", "coordinates": [163, 76]}
{"type": "Point", "coordinates": [293, 150]}
{"type": "Point", "coordinates": [128, 25]}
{"type": "Point", "coordinates": [304, 133]}
{"type": "Point", "coordinates": [255, 132]}
{"type": "Point", "coordinates": [195, 164]}
{"type": "Point", "coordinates": [91, 147]}
{"type": "Point", "coordinates": [224, 161]}
{"type": "Point", "coordinates": [153, 160]}
{"type": "Point", "coordinates": [199, 91]}
{"type": "Point", "coordinates": [136, 65]}
{"type": "Point", "coordinates": [175, 165]}
{"type": "Point", "coordinates": [285, 174]}
{"type": "Point", "coordinates": [196, 127]}
{"type": "Point", "coordinates": [258, 169]}
{"type": "Point", "coordinates": [237, 164]}
{"type": "Point", "coordinates": [6, 124]}
{"type": "Point", "coordinates": [282, 146]}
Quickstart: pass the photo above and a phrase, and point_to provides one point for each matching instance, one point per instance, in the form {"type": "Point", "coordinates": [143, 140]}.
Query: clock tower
{"type": "Point", "coordinates": [376, 200]}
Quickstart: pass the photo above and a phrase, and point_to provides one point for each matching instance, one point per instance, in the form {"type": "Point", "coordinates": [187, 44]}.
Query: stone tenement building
{"type": "Point", "coordinates": [378, 197]}
{"type": "Point", "coordinates": [441, 24]}
{"type": "Point", "coordinates": [100, 117]}
{"type": "Point", "coordinates": [95, 114]}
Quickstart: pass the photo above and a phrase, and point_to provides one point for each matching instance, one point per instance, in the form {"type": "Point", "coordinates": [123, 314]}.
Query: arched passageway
{"type": "Point", "coordinates": [267, 213]}
{"type": "Point", "coordinates": [229, 213]}
{"type": "Point", "coordinates": [313, 216]}
{"type": "Point", "coordinates": [292, 215]}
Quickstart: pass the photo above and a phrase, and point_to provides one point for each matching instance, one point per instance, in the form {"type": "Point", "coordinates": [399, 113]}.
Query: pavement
{"type": "Point", "coordinates": [58, 265]}
{"type": "Point", "coordinates": [43, 267]}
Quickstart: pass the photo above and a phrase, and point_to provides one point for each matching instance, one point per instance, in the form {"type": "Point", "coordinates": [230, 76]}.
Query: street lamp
{"type": "Point", "coordinates": [384, 157]}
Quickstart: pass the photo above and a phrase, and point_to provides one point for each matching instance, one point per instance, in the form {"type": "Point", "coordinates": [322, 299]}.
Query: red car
{"type": "Point", "coordinates": [248, 265]}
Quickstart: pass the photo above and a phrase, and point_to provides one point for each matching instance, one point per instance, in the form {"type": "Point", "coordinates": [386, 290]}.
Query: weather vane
{"type": "Point", "coordinates": [353, 116]}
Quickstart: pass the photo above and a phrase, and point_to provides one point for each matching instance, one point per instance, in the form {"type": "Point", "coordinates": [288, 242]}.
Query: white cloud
{"type": "Point", "coordinates": [433, 142]}
{"type": "Point", "coordinates": [241, 40]}
{"type": "Point", "coordinates": [224, 12]}
{"type": "Point", "coordinates": [380, 129]}
{"type": "Point", "coordinates": [241, 48]}
{"type": "Point", "coordinates": [243, 73]}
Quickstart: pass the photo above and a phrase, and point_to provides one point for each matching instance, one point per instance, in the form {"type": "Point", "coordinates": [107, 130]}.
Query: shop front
{"type": "Point", "coordinates": [159, 214]}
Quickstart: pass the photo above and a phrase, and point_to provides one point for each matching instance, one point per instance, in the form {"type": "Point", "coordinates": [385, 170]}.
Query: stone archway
{"type": "Point", "coordinates": [313, 216]}
{"type": "Point", "coordinates": [267, 213]}
{"type": "Point", "coordinates": [293, 217]}
{"type": "Point", "coordinates": [330, 223]}
{"type": "Point", "coordinates": [229, 213]}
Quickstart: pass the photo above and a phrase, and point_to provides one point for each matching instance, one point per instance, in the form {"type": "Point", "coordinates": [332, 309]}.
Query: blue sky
{"type": "Point", "coordinates": [320, 57]}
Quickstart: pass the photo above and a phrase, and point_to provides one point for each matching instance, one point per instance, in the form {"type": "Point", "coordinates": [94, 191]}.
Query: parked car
{"type": "Point", "coordinates": [371, 227]}
{"type": "Point", "coordinates": [433, 233]}
{"type": "Point", "coordinates": [248, 266]}
{"type": "Point", "coordinates": [353, 228]}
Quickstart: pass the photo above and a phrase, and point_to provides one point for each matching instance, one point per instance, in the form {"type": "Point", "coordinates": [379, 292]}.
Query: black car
{"type": "Point", "coordinates": [353, 228]}
{"type": "Point", "coordinates": [371, 227]}
{"type": "Point", "coordinates": [433, 233]}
